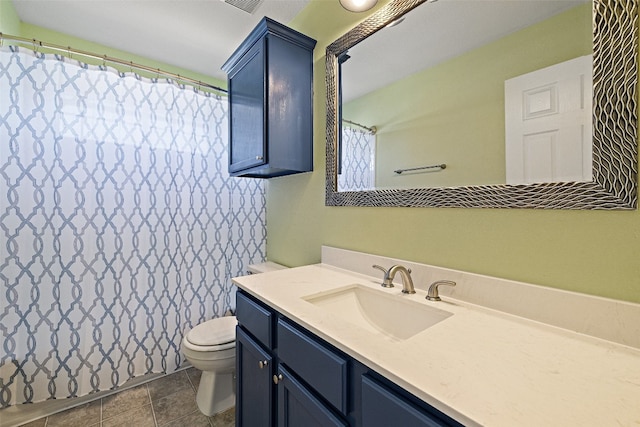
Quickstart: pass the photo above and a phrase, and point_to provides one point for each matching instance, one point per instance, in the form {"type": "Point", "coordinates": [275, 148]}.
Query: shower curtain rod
{"type": "Point", "coordinates": [371, 129]}
{"type": "Point", "coordinates": [105, 58]}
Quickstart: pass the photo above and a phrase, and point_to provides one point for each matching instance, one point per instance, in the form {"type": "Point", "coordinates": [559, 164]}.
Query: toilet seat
{"type": "Point", "coordinates": [213, 335]}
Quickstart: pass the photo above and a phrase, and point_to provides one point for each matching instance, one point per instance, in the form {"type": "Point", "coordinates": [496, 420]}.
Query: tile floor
{"type": "Point", "coordinates": [169, 401]}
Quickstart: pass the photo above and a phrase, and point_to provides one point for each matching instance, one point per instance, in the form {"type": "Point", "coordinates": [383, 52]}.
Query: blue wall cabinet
{"type": "Point", "coordinates": [270, 82]}
{"type": "Point", "coordinates": [313, 383]}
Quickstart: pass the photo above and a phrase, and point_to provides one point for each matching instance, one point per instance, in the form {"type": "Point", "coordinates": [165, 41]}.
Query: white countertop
{"type": "Point", "coordinates": [479, 366]}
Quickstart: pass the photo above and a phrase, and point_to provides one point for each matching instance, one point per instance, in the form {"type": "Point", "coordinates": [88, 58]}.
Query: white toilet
{"type": "Point", "coordinates": [211, 347]}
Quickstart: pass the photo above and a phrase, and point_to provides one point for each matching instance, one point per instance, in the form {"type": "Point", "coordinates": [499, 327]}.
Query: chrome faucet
{"type": "Point", "coordinates": [405, 273]}
{"type": "Point", "coordinates": [432, 294]}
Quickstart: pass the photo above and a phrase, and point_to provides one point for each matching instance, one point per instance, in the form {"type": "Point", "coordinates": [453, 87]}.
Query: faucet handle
{"type": "Point", "coordinates": [386, 281]}
{"type": "Point", "coordinates": [432, 294]}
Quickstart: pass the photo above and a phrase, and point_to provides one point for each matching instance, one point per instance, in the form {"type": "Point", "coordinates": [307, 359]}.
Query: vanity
{"type": "Point", "coordinates": [481, 356]}
{"type": "Point", "coordinates": [315, 382]}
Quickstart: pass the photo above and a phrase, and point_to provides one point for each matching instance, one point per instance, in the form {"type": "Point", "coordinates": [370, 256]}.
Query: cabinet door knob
{"type": "Point", "coordinates": [277, 378]}
{"type": "Point", "coordinates": [263, 363]}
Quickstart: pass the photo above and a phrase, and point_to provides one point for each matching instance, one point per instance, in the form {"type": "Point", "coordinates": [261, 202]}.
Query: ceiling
{"type": "Point", "coordinates": [435, 32]}
{"type": "Point", "coordinates": [198, 35]}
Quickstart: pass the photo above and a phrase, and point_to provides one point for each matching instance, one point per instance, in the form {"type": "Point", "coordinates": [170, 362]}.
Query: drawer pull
{"type": "Point", "coordinates": [263, 363]}
{"type": "Point", "coordinates": [277, 378]}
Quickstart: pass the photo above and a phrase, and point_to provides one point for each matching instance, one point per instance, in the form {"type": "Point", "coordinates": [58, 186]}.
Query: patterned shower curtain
{"type": "Point", "coordinates": [120, 227]}
{"type": "Point", "coordinates": [358, 154]}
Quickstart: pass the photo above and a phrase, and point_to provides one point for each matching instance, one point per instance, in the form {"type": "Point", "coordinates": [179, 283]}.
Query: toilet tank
{"type": "Point", "coordinates": [264, 267]}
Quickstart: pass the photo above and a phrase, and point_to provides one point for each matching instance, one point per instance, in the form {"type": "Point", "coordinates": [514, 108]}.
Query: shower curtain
{"type": "Point", "coordinates": [120, 227]}
{"type": "Point", "coordinates": [358, 153]}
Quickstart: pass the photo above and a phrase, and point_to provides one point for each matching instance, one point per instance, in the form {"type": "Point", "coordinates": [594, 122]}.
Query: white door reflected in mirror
{"type": "Point", "coordinates": [548, 130]}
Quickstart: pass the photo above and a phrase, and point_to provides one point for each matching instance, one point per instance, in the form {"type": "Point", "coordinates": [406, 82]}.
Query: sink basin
{"type": "Point", "coordinates": [394, 317]}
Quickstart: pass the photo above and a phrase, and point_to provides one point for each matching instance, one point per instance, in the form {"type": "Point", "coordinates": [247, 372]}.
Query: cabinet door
{"type": "Point", "coordinates": [247, 111]}
{"type": "Point", "coordinates": [298, 407]}
{"type": "Point", "coordinates": [254, 383]}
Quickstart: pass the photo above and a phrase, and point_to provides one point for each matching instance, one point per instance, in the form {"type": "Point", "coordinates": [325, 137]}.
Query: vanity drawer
{"type": "Point", "coordinates": [323, 369]}
{"type": "Point", "coordinates": [255, 318]}
{"type": "Point", "coordinates": [383, 406]}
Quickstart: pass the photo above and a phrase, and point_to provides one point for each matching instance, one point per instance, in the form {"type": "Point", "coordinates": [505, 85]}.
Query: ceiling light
{"type": "Point", "coordinates": [358, 5]}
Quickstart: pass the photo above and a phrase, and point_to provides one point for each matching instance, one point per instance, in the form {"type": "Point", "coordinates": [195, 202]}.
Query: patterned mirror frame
{"type": "Point", "coordinates": [615, 146]}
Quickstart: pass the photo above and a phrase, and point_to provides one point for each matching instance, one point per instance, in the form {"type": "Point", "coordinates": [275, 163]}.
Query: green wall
{"type": "Point", "coordinates": [453, 113]}
{"type": "Point", "coordinates": [594, 252]}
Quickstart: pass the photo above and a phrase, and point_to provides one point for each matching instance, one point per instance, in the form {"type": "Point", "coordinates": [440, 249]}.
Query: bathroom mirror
{"type": "Point", "coordinates": [611, 184]}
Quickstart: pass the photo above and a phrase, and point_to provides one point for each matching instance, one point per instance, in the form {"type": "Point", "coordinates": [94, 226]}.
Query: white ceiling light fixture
{"type": "Point", "coordinates": [358, 5]}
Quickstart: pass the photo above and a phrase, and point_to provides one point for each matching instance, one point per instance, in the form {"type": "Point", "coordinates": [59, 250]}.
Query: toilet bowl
{"type": "Point", "coordinates": [211, 348]}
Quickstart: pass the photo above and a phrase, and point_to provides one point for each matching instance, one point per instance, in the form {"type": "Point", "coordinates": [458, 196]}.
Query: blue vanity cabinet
{"type": "Point", "coordinates": [270, 83]}
{"type": "Point", "coordinates": [312, 383]}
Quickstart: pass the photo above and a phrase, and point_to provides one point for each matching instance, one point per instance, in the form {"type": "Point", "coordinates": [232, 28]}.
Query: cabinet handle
{"type": "Point", "coordinates": [263, 363]}
{"type": "Point", "coordinates": [277, 378]}
{"type": "Point", "coordinates": [259, 157]}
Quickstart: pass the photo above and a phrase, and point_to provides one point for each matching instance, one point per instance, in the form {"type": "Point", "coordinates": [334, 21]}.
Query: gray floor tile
{"type": "Point", "coordinates": [139, 417]}
{"type": "Point", "coordinates": [174, 406]}
{"type": "Point", "coordinates": [224, 419]}
{"type": "Point", "coordinates": [168, 385]}
{"type": "Point", "coordinates": [37, 423]}
{"type": "Point", "coordinates": [194, 376]}
{"type": "Point", "coordinates": [194, 419]}
{"type": "Point", "coordinates": [81, 416]}
{"type": "Point", "coordinates": [125, 401]}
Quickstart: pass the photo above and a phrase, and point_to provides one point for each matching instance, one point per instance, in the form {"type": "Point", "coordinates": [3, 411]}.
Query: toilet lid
{"type": "Point", "coordinates": [221, 330]}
